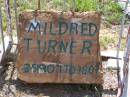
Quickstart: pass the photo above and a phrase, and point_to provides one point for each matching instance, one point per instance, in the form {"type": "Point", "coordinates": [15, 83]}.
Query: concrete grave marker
{"type": "Point", "coordinates": [59, 48]}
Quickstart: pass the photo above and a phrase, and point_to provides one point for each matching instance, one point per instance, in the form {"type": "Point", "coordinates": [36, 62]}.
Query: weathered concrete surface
{"type": "Point", "coordinates": [43, 64]}
{"type": "Point", "coordinates": [112, 54]}
{"type": "Point", "coordinates": [6, 40]}
{"type": "Point", "coordinates": [1, 46]}
{"type": "Point", "coordinates": [112, 61]}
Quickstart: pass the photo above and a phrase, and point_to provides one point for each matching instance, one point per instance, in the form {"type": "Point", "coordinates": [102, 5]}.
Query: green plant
{"type": "Point", "coordinates": [4, 19]}
{"type": "Point", "coordinates": [27, 4]}
{"type": "Point", "coordinates": [112, 11]}
{"type": "Point", "coordinates": [57, 3]}
{"type": "Point", "coordinates": [86, 5]}
{"type": "Point", "coordinates": [115, 18]}
{"type": "Point", "coordinates": [107, 39]}
{"type": "Point", "coordinates": [114, 7]}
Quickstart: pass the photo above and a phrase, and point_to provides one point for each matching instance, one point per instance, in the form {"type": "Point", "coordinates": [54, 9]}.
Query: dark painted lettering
{"type": "Point", "coordinates": [45, 28]}
{"type": "Point", "coordinates": [63, 46]}
{"type": "Point", "coordinates": [52, 46]}
{"type": "Point", "coordinates": [72, 46]}
{"type": "Point", "coordinates": [59, 68]}
{"type": "Point", "coordinates": [72, 70]}
{"type": "Point", "coordinates": [96, 68]}
{"type": "Point", "coordinates": [35, 68]}
{"type": "Point", "coordinates": [33, 27]}
{"type": "Point", "coordinates": [43, 68]}
{"type": "Point", "coordinates": [41, 49]}
{"type": "Point", "coordinates": [65, 68]}
{"type": "Point", "coordinates": [91, 69]}
{"type": "Point", "coordinates": [27, 42]}
{"type": "Point", "coordinates": [52, 29]}
{"type": "Point", "coordinates": [26, 68]}
{"type": "Point", "coordinates": [50, 68]}
{"type": "Point", "coordinates": [61, 26]}
{"type": "Point", "coordinates": [73, 28]}
{"type": "Point", "coordinates": [92, 29]}
{"type": "Point", "coordinates": [84, 70]}
{"type": "Point", "coordinates": [87, 44]}
{"type": "Point", "coordinates": [84, 29]}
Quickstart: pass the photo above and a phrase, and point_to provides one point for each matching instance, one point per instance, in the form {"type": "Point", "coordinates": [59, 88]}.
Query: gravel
{"type": "Point", "coordinates": [16, 88]}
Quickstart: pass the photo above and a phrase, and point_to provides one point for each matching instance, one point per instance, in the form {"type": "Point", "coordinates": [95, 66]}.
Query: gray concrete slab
{"type": "Point", "coordinates": [6, 39]}
{"type": "Point", "coordinates": [112, 54]}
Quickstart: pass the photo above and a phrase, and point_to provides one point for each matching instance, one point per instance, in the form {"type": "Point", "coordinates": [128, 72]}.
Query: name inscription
{"type": "Point", "coordinates": [62, 29]}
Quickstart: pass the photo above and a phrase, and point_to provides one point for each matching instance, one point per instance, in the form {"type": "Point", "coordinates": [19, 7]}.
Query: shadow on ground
{"type": "Point", "coordinates": [10, 87]}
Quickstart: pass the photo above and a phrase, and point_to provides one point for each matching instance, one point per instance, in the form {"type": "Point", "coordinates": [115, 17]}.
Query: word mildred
{"type": "Point", "coordinates": [61, 30]}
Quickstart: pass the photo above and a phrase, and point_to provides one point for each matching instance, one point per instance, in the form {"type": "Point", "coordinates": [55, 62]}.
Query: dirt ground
{"type": "Point", "coordinates": [13, 87]}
